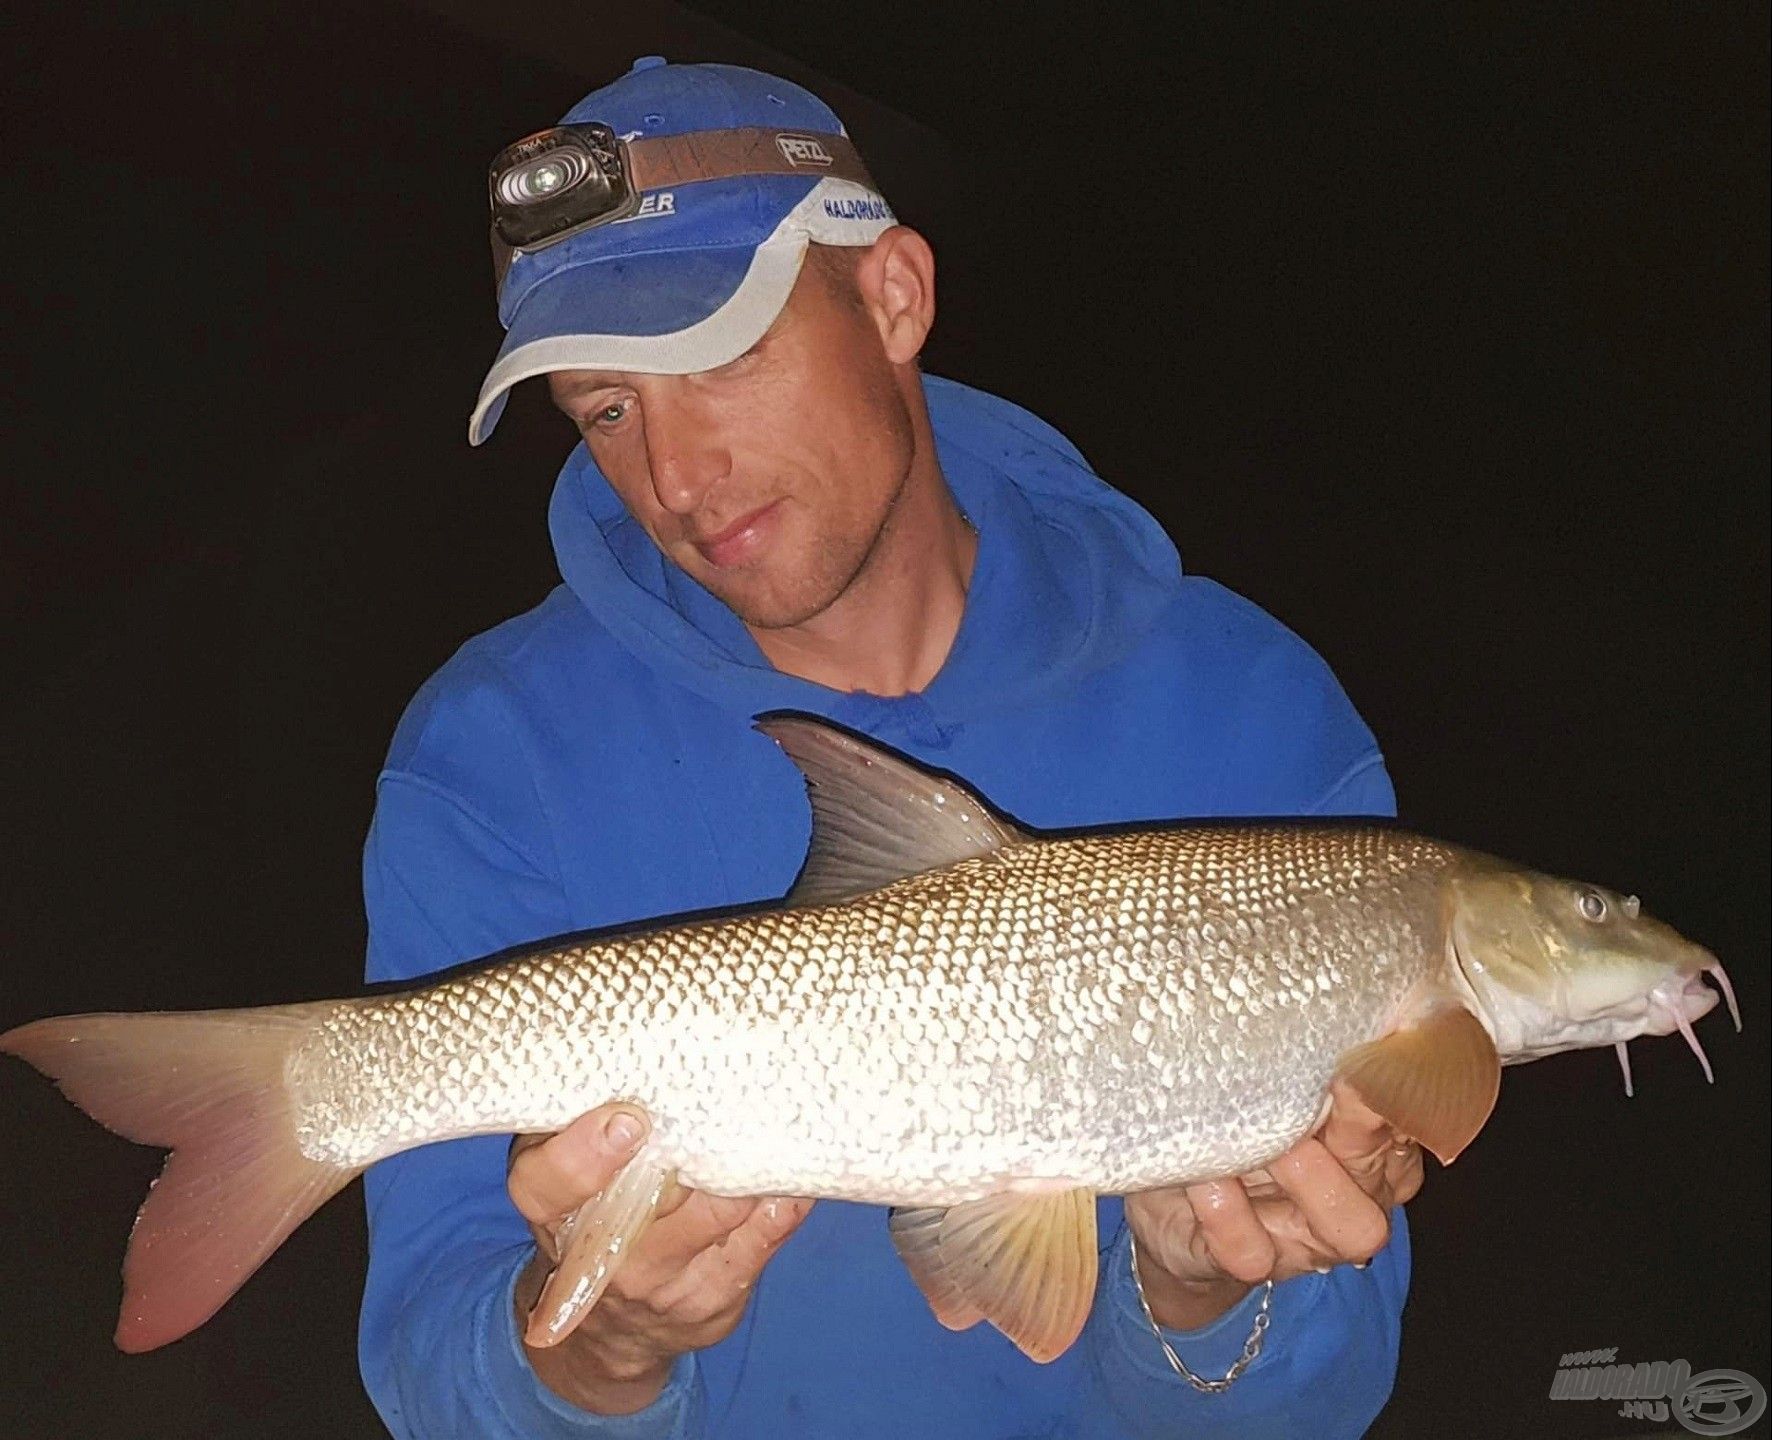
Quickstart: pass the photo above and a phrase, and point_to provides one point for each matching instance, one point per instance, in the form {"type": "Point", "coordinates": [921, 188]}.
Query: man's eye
{"type": "Point", "coordinates": [606, 415]}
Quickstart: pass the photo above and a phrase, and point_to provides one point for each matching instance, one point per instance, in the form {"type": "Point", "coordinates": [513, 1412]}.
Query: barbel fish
{"type": "Point", "coordinates": [978, 1026]}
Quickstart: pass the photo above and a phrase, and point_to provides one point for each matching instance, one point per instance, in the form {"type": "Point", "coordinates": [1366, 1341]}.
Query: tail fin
{"type": "Point", "coordinates": [210, 1086]}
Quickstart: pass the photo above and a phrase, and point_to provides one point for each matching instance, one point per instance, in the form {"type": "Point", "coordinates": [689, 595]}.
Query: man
{"type": "Point", "coordinates": [774, 509]}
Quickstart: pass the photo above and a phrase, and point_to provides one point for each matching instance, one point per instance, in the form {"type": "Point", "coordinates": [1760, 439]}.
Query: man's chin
{"type": "Point", "coordinates": [778, 616]}
{"type": "Point", "coordinates": [761, 607]}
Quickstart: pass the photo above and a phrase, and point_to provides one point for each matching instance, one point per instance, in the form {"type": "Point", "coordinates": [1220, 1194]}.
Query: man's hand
{"type": "Point", "coordinates": [683, 1287]}
{"type": "Point", "coordinates": [1325, 1202]}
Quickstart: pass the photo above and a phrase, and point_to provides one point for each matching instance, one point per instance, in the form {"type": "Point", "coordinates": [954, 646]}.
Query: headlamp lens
{"type": "Point", "coordinates": [544, 177]}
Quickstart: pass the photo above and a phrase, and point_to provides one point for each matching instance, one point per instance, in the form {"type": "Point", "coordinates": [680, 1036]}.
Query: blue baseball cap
{"type": "Point", "coordinates": [701, 269]}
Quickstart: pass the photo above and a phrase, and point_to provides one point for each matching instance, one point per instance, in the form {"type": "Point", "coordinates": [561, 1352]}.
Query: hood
{"type": "Point", "coordinates": [1069, 575]}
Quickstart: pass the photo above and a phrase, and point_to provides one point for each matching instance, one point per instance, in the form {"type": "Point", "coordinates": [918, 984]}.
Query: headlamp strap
{"type": "Point", "coordinates": [662, 161]}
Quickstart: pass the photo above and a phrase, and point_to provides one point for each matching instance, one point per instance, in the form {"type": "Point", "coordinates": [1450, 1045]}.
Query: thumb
{"type": "Point", "coordinates": [552, 1176]}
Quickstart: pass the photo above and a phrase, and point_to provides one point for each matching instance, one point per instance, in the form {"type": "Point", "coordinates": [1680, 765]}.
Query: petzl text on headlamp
{"type": "Point", "coordinates": [557, 182]}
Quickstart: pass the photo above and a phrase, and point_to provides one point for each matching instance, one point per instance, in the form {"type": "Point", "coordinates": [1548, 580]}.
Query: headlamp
{"type": "Point", "coordinates": [558, 182]}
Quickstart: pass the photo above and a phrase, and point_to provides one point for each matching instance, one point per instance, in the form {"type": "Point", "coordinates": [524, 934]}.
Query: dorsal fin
{"type": "Point", "coordinates": [877, 818]}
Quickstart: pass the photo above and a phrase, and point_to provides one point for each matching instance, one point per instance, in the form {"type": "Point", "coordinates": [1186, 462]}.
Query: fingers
{"type": "Point", "coordinates": [674, 1240]}
{"type": "Point", "coordinates": [551, 1176]}
{"type": "Point", "coordinates": [1355, 1134]}
{"type": "Point", "coordinates": [1326, 1201]}
{"type": "Point", "coordinates": [1387, 1166]}
{"type": "Point", "coordinates": [722, 1274]}
{"type": "Point", "coordinates": [747, 1249]}
{"type": "Point", "coordinates": [1233, 1234]}
{"type": "Point", "coordinates": [1345, 1220]}
{"type": "Point", "coordinates": [684, 1281]}
{"type": "Point", "coordinates": [1403, 1172]}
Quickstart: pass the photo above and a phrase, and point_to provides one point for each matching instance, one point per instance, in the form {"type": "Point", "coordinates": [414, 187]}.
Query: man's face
{"type": "Point", "coordinates": [769, 479]}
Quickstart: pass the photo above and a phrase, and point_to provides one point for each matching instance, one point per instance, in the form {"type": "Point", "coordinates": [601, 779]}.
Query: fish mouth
{"type": "Point", "coordinates": [1673, 1005]}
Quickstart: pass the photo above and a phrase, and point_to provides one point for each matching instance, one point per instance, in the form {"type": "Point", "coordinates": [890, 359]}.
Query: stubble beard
{"type": "Point", "coordinates": [831, 572]}
{"type": "Point", "coordinates": [834, 570]}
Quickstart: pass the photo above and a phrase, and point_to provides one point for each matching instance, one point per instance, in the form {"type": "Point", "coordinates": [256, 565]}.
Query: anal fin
{"type": "Point", "coordinates": [1024, 1262]}
{"type": "Point", "coordinates": [1435, 1078]}
{"type": "Point", "coordinates": [592, 1243]}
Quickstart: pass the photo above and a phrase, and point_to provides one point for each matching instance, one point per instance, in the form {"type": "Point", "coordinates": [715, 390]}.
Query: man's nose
{"type": "Point", "coordinates": [684, 448]}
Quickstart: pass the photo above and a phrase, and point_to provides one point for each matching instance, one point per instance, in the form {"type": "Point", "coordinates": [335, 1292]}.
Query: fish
{"type": "Point", "coordinates": [979, 1026]}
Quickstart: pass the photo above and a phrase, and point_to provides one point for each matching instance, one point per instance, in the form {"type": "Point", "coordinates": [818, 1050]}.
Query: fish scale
{"type": "Point", "coordinates": [1119, 1011]}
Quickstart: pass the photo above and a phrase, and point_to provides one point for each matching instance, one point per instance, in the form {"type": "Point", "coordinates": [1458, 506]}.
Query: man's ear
{"type": "Point", "coordinates": [897, 282]}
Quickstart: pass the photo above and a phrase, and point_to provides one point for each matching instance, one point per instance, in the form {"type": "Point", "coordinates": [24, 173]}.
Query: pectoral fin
{"type": "Point", "coordinates": [1025, 1263]}
{"type": "Point", "coordinates": [1435, 1078]}
{"type": "Point", "coordinates": [592, 1244]}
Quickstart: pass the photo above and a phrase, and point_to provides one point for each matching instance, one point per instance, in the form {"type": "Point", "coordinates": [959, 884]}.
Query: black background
{"type": "Point", "coordinates": [1441, 335]}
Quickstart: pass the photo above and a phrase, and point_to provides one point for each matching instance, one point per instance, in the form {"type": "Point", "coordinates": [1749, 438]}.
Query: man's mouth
{"type": "Point", "coordinates": [741, 540]}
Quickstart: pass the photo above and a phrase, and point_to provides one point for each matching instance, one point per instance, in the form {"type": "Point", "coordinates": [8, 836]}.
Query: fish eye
{"type": "Point", "coordinates": [1633, 907]}
{"type": "Point", "coordinates": [1592, 905]}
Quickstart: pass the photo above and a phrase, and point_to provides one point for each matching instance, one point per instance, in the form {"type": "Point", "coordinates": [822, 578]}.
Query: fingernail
{"type": "Point", "coordinates": [1361, 1264]}
{"type": "Point", "coordinates": [622, 1131]}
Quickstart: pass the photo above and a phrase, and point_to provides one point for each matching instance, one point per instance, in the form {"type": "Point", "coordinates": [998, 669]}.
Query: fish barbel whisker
{"type": "Point", "coordinates": [1683, 997]}
{"type": "Point", "coordinates": [1623, 1050]}
{"type": "Point", "coordinates": [1685, 1028]}
{"type": "Point", "coordinates": [1721, 976]}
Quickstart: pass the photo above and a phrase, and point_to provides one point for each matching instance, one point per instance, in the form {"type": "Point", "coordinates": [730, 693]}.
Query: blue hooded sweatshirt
{"type": "Point", "coordinates": [592, 763]}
